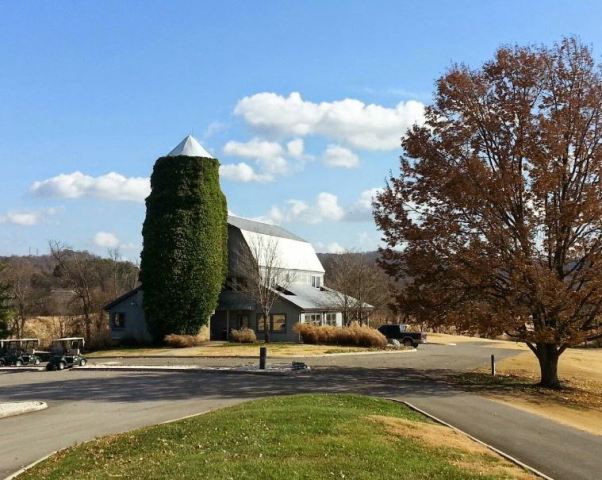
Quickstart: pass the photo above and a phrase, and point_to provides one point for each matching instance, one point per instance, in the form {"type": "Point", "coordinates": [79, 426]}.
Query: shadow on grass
{"type": "Point", "coordinates": [572, 394]}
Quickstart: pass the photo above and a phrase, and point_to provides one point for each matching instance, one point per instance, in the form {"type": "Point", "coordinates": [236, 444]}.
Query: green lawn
{"type": "Point", "coordinates": [293, 437]}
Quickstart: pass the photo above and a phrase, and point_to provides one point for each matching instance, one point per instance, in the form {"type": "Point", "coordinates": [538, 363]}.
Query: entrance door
{"type": "Point", "coordinates": [242, 320]}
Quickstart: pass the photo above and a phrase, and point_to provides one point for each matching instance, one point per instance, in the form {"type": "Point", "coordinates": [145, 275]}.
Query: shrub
{"type": "Point", "coordinates": [183, 341]}
{"type": "Point", "coordinates": [244, 335]}
{"type": "Point", "coordinates": [353, 335]}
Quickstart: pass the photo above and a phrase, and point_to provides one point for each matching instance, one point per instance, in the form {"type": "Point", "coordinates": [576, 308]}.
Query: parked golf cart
{"type": "Point", "coordinates": [19, 351]}
{"type": "Point", "coordinates": [66, 353]}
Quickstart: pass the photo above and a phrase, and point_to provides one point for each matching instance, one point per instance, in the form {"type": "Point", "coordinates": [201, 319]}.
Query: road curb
{"type": "Point", "coordinates": [20, 408]}
{"type": "Point", "coordinates": [503, 454]}
{"type": "Point", "coordinates": [21, 369]}
{"type": "Point", "coordinates": [187, 369]}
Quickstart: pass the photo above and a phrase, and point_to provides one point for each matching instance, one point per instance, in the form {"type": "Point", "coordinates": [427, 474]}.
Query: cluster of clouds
{"type": "Point", "coordinates": [350, 121]}
{"type": "Point", "coordinates": [111, 186]}
{"type": "Point", "coordinates": [271, 159]}
{"type": "Point", "coordinates": [280, 125]}
{"type": "Point", "coordinates": [325, 207]}
{"type": "Point", "coordinates": [109, 240]}
{"type": "Point", "coordinates": [346, 124]}
{"type": "Point", "coordinates": [28, 218]}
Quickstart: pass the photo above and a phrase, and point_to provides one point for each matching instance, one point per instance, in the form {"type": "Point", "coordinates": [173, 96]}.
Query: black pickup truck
{"type": "Point", "coordinates": [402, 333]}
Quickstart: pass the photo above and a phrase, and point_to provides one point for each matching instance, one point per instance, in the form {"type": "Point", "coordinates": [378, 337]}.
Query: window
{"type": "Point", "coordinates": [330, 319]}
{"type": "Point", "coordinates": [118, 320]}
{"type": "Point", "coordinates": [277, 323]}
{"type": "Point", "coordinates": [316, 281]}
{"type": "Point", "coordinates": [313, 318]}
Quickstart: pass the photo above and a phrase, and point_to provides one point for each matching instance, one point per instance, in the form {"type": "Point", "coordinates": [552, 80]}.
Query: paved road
{"type": "Point", "coordinates": [83, 405]}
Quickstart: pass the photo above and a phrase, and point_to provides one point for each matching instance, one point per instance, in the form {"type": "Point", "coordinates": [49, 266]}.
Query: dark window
{"type": "Point", "coordinates": [118, 320]}
{"type": "Point", "coordinates": [277, 323]}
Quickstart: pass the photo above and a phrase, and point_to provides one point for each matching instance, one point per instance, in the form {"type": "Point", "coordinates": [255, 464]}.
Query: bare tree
{"type": "Point", "coordinates": [264, 276]}
{"type": "Point", "coordinates": [357, 282]}
{"type": "Point", "coordinates": [24, 296]}
{"type": "Point", "coordinates": [78, 272]}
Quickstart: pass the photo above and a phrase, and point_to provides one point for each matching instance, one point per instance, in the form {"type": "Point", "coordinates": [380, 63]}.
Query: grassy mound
{"type": "Point", "coordinates": [295, 437]}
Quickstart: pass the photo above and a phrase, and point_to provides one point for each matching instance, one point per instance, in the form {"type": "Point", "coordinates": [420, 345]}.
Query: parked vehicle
{"type": "Point", "coordinates": [19, 352]}
{"type": "Point", "coordinates": [402, 333]}
{"type": "Point", "coordinates": [66, 353]}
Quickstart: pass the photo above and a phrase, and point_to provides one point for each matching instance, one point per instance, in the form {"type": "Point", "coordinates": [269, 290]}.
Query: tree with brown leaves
{"type": "Point", "coordinates": [495, 221]}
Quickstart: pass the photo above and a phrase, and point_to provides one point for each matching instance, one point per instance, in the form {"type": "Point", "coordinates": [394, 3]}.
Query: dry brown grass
{"type": "Point", "coordinates": [184, 341]}
{"type": "Point", "coordinates": [354, 335]}
{"type": "Point", "coordinates": [219, 349]}
{"type": "Point", "coordinates": [471, 455]}
{"type": "Point", "coordinates": [244, 335]}
{"type": "Point", "coordinates": [48, 328]}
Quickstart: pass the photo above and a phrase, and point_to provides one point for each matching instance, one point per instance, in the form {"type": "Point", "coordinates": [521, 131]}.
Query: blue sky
{"type": "Point", "coordinates": [303, 102]}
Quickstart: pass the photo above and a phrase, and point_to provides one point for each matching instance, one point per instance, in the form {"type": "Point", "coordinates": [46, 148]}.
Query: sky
{"type": "Point", "coordinates": [303, 102]}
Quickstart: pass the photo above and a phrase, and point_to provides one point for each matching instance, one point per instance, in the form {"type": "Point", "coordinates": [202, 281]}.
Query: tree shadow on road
{"type": "Point", "coordinates": [159, 386]}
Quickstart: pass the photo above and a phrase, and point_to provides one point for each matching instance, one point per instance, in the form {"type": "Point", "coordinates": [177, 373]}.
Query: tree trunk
{"type": "Point", "coordinates": [266, 328]}
{"type": "Point", "coordinates": [547, 354]}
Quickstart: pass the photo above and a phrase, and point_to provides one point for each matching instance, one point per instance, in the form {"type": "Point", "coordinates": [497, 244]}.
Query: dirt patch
{"type": "Point", "coordinates": [471, 456]}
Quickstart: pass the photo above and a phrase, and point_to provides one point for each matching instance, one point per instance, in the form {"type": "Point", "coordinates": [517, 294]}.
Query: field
{"type": "Point", "coordinates": [295, 437]}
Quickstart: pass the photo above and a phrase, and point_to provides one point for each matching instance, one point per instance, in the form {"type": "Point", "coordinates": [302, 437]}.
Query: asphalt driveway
{"type": "Point", "coordinates": [83, 405]}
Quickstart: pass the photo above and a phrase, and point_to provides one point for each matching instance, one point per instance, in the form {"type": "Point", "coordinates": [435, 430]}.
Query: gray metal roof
{"type": "Point", "coordinates": [263, 228]}
{"type": "Point", "coordinates": [307, 297]}
{"type": "Point", "coordinates": [189, 147]}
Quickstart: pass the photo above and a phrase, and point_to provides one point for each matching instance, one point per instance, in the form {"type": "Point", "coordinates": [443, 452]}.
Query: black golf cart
{"type": "Point", "coordinates": [19, 351]}
{"type": "Point", "coordinates": [66, 353]}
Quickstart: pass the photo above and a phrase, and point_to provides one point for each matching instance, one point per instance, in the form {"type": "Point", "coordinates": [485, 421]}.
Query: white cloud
{"type": "Point", "coordinates": [106, 240]}
{"type": "Point", "coordinates": [241, 172]}
{"type": "Point", "coordinates": [295, 148]}
{"type": "Point", "coordinates": [361, 210]}
{"type": "Point", "coordinates": [325, 208]}
{"type": "Point", "coordinates": [335, 247]}
{"type": "Point", "coordinates": [268, 155]}
{"type": "Point", "coordinates": [340, 157]}
{"type": "Point", "coordinates": [112, 186]}
{"type": "Point", "coordinates": [328, 206]}
{"type": "Point", "coordinates": [366, 126]}
{"type": "Point", "coordinates": [28, 218]}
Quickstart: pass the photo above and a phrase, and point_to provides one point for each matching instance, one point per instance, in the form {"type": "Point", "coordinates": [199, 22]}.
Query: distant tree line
{"type": "Point", "coordinates": [67, 284]}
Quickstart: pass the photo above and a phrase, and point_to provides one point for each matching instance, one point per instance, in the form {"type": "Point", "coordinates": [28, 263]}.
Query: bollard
{"type": "Point", "coordinates": [492, 365]}
{"type": "Point", "coordinates": [263, 353]}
